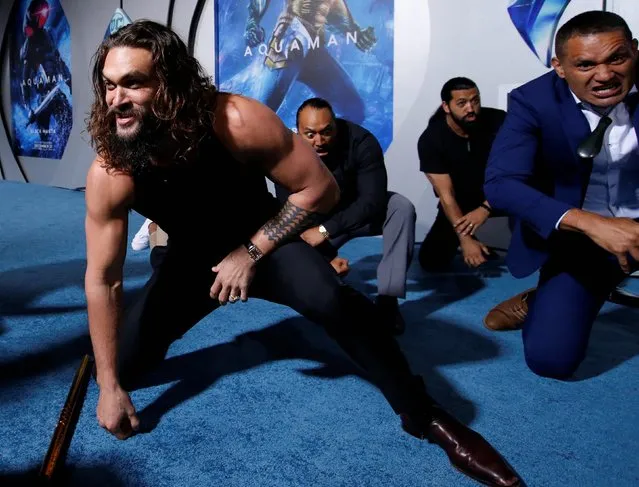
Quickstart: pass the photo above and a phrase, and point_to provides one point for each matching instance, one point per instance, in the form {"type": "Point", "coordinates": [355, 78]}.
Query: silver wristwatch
{"type": "Point", "coordinates": [324, 232]}
{"type": "Point", "coordinates": [255, 253]}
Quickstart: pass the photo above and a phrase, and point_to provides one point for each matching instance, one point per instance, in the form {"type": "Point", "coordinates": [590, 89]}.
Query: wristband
{"type": "Point", "coordinates": [255, 253]}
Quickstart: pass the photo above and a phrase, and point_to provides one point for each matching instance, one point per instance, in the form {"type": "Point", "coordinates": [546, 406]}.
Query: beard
{"type": "Point", "coordinates": [464, 123]}
{"type": "Point", "coordinates": [134, 150]}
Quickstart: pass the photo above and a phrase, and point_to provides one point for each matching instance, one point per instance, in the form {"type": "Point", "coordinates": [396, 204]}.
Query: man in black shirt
{"type": "Point", "coordinates": [453, 151]}
{"type": "Point", "coordinates": [366, 207]}
{"type": "Point", "coordinates": [174, 149]}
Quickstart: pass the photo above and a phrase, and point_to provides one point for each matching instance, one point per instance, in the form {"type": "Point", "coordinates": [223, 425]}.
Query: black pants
{"type": "Point", "coordinates": [296, 275]}
{"type": "Point", "coordinates": [440, 245]}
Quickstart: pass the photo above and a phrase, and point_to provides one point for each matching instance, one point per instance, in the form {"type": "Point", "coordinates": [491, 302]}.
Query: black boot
{"type": "Point", "coordinates": [389, 310]}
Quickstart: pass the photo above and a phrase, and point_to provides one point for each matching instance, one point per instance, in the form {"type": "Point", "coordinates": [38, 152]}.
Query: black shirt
{"type": "Point", "coordinates": [442, 151]}
{"type": "Point", "coordinates": [357, 163]}
{"type": "Point", "coordinates": [220, 199]}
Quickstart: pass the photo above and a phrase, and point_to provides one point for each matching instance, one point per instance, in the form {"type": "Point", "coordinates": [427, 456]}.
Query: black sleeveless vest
{"type": "Point", "coordinates": [211, 205]}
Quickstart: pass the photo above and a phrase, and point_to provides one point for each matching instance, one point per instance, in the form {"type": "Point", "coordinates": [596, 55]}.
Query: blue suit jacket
{"type": "Point", "coordinates": [534, 172]}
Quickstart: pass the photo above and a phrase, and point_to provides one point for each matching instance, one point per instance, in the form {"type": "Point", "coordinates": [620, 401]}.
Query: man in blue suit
{"type": "Point", "coordinates": [576, 214]}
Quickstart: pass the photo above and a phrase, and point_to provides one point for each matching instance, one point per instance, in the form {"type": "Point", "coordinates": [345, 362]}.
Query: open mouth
{"type": "Point", "coordinates": [607, 91]}
{"type": "Point", "coordinates": [124, 121]}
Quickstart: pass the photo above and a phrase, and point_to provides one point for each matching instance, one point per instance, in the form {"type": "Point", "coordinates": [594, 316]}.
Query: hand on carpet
{"type": "Point", "coordinates": [116, 413]}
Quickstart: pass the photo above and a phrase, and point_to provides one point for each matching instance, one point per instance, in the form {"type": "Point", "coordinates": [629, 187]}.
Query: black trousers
{"type": "Point", "coordinates": [440, 245]}
{"type": "Point", "coordinates": [296, 275]}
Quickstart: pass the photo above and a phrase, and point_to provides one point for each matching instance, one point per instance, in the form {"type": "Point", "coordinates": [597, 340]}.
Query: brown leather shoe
{"type": "Point", "coordinates": [467, 450]}
{"type": "Point", "coordinates": [509, 314]}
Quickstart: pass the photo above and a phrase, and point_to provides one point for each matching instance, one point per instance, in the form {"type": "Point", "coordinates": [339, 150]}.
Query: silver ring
{"type": "Point", "coordinates": [470, 225]}
{"type": "Point", "coordinates": [232, 299]}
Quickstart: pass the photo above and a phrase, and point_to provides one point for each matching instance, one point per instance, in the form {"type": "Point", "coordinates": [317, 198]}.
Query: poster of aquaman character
{"type": "Point", "coordinates": [282, 52]}
{"type": "Point", "coordinates": [40, 58]}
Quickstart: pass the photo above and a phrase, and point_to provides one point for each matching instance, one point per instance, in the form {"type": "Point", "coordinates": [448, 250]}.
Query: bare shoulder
{"type": "Point", "coordinates": [248, 127]}
{"type": "Point", "coordinates": [107, 192]}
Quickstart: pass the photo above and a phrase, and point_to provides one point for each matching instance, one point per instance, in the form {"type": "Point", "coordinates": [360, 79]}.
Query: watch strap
{"type": "Point", "coordinates": [324, 232]}
{"type": "Point", "coordinates": [254, 252]}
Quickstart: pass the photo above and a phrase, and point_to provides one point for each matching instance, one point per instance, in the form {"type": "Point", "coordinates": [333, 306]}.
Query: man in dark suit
{"type": "Point", "coordinates": [366, 207]}
{"type": "Point", "coordinates": [565, 164]}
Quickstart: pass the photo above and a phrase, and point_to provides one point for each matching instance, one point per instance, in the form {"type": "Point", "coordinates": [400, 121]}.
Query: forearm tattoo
{"type": "Point", "coordinates": [289, 222]}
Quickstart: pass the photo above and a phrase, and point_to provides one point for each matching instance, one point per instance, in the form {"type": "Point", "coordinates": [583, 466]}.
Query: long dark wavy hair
{"type": "Point", "coordinates": [183, 104]}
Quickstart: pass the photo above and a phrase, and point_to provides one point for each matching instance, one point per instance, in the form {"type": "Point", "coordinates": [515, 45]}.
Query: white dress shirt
{"type": "Point", "coordinates": [613, 188]}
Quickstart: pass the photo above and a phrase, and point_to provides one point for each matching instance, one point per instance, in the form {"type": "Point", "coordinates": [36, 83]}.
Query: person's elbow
{"type": "Point", "coordinates": [320, 195]}
{"type": "Point", "coordinates": [328, 196]}
{"type": "Point", "coordinates": [494, 191]}
{"type": "Point", "coordinates": [97, 279]}
{"type": "Point", "coordinates": [490, 192]}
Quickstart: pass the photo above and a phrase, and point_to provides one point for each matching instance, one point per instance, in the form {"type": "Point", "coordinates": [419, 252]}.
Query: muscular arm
{"type": "Point", "coordinates": [255, 135]}
{"type": "Point", "coordinates": [106, 229]}
{"type": "Point", "coordinates": [444, 188]}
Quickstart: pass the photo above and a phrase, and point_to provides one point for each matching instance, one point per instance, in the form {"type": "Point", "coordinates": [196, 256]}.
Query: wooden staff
{"type": "Point", "coordinates": [69, 416]}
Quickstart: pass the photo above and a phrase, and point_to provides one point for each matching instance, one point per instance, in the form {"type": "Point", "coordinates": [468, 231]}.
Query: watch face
{"type": "Point", "coordinates": [253, 251]}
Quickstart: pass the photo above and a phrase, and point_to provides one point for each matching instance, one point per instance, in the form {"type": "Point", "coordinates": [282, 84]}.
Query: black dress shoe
{"type": "Point", "coordinates": [389, 309]}
{"type": "Point", "coordinates": [623, 297]}
{"type": "Point", "coordinates": [467, 450]}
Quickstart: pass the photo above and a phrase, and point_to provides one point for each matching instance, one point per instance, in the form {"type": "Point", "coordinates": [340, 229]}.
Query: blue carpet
{"type": "Point", "coordinates": [257, 396]}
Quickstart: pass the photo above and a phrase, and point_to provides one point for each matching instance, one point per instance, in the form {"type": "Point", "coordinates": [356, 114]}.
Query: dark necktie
{"type": "Point", "coordinates": [591, 146]}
